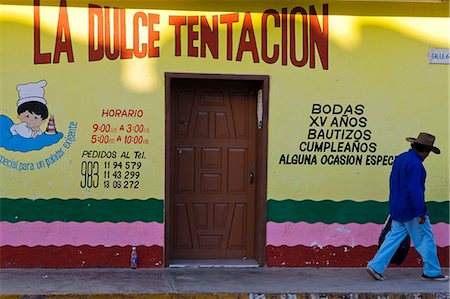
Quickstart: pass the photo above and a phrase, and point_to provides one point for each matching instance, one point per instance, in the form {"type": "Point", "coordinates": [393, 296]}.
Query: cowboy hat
{"type": "Point", "coordinates": [426, 140]}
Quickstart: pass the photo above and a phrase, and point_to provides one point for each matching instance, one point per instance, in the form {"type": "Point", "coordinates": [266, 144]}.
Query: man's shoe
{"type": "Point", "coordinates": [435, 278]}
{"type": "Point", "coordinates": [375, 275]}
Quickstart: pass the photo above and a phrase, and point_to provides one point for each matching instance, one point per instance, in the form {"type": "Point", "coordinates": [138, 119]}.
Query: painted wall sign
{"type": "Point", "coordinates": [338, 134]}
{"type": "Point", "coordinates": [82, 168]}
{"type": "Point", "coordinates": [194, 35]}
{"type": "Point", "coordinates": [106, 167]}
{"type": "Point", "coordinates": [439, 56]}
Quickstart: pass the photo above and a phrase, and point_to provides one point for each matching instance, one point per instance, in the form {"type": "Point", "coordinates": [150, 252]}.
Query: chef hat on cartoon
{"type": "Point", "coordinates": [31, 92]}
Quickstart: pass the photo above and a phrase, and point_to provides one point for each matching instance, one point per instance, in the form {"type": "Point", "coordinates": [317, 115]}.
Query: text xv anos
{"type": "Point", "coordinates": [296, 37]}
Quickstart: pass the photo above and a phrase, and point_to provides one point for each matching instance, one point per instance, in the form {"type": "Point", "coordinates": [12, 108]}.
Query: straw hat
{"type": "Point", "coordinates": [426, 140]}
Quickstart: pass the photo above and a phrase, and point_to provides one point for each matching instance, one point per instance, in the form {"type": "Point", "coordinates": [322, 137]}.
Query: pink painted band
{"type": "Point", "coordinates": [78, 234]}
{"type": "Point", "coordinates": [353, 234]}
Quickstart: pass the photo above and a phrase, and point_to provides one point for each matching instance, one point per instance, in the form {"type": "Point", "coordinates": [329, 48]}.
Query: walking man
{"type": "Point", "coordinates": [408, 211]}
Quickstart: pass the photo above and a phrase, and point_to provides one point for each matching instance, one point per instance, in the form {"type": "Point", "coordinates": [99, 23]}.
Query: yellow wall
{"type": "Point", "coordinates": [377, 58]}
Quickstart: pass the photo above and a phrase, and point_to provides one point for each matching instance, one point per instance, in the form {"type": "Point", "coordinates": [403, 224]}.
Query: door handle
{"type": "Point", "coordinates": [251, 174]}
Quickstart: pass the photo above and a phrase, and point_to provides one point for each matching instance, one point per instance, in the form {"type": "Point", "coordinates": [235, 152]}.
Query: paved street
{"type": "Point", "coordinates": [195, 282]}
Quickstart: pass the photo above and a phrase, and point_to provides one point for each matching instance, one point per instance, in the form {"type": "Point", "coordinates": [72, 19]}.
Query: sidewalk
{"type": "Point", "coordinates": [193, 283]}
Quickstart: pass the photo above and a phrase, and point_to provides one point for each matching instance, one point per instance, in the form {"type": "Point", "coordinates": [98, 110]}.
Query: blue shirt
{"type": "Point", "coordinates": [407, 187]}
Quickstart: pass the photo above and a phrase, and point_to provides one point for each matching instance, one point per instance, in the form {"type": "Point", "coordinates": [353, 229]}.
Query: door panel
{"type": "Point", "coordinates": [185, 169]}
{"type": "Point", "coordinates": [213, 151]}
{"type": "Point", "coordinates": [237, 175]}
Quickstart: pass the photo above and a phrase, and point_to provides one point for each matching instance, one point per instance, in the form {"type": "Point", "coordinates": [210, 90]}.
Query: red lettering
{"type": "Point", "coordinates": [177, 21]}
{"type": "Point", "coordinates": [318, 37]}
{"type": "Point", "coordinates": [114, 42]}
{"type": "Point", "coordinates": [293, 51]}
{"type": "Point", "coordinates": [113, 53]}
{"type": "Point", "coordinates": [276, 48]}
{"type": "Point", "coordinates": [192, 36]}
{"type": "Point", "coordinates": [209, 37]}
{"type": "Point", "coordinates": [247, 28]}
{"type": "Point", "coordinates": [284, 36]}
{"type": "Point", "coordinates": [39, 58]}
{"type": "Point", "coordinates": [95, 53]}
{"type": "Point", "coordinates": [153, 35]}
{"type": "Point", "coordinates": [297, 36]}
{"type": "Point", "coordinates": [122, 113]}
{"type": "Point", "coordinates": [63, 29]}
{"type": "Point", "coordinates": [229, 19]}
{"type": "Point", "coordinates": [143, 17]}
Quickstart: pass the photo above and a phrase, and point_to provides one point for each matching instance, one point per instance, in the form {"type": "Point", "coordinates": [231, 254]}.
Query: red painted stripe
{"type": "Point", "coordinates": [343, 256]}
{"type": "Point", "coordinates": [78, 257]}
{"type": "Point", "coordinates": [152, 257]}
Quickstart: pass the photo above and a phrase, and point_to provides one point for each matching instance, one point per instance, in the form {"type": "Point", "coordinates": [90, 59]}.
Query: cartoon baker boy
{"type": "Point", "coordinates": [31, 109]}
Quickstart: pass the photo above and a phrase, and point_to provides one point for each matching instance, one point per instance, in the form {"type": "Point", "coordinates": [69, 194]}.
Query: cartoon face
{"type": "Point", "coordinates": [33, 121]}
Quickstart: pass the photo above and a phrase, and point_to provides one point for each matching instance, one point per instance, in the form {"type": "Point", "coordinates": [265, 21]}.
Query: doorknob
{"type": "Point", "coordinates": [251, 173]}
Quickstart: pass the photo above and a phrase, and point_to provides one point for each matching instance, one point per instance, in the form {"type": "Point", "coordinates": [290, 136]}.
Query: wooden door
{"type": "Point", "coordinates": [213, 153]}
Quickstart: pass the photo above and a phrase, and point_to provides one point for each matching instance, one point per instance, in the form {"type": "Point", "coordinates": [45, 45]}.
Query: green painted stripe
{"type": "Point", "coordinates": [347, 211]}
{"type": "Point", "coordinates": [121, 210]}
{"type": "Point", "coordinates": [81, 210]}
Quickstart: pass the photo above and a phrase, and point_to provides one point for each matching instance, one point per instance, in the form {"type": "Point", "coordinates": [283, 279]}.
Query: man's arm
{"type": "Point", "coordinates": [416, 187]}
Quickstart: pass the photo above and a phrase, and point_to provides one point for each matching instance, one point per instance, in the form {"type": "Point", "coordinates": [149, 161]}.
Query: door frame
{"type": "Point", "coordinates": [261, 159]}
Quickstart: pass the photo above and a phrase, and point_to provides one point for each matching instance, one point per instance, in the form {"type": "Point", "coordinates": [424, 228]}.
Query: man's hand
{"type": "Point", "coordinates": [422, 219]}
